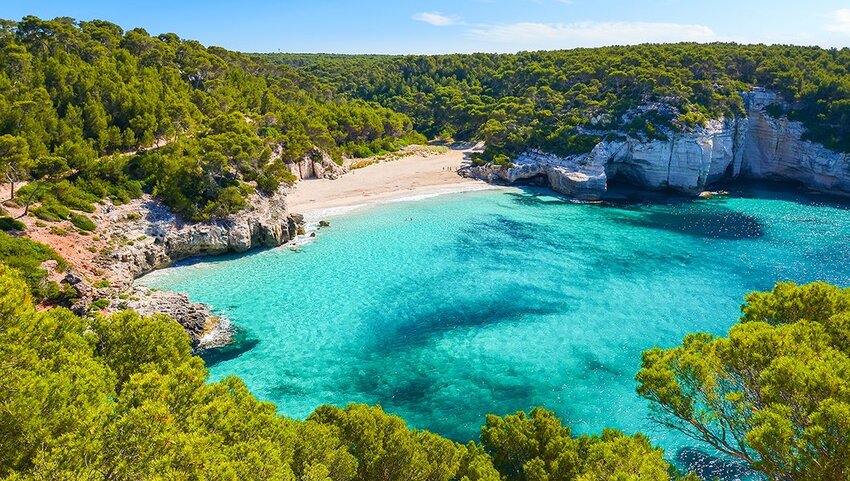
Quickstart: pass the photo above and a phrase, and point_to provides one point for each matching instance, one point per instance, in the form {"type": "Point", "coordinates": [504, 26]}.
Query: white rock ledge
{"type": "Point", "coordinates": [757, 146]}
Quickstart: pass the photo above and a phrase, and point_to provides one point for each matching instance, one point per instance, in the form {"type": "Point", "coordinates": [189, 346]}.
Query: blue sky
{"type": "Point", "coordinates": [446, 26]}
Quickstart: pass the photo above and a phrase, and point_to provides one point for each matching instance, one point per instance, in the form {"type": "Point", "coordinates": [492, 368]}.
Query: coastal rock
{"type": "Point", "coordinates": [757, 146]}
{"type": "Point", "coordinates": [576, 176]}
{"type": "Point", "coordinates": [776, 149]}
{"type": "Point", "coordinates": [195, 318]}
{"type": "Point", "coordinates": [145, 235]}
{"type": "Point", "coordinates": [316, 165]}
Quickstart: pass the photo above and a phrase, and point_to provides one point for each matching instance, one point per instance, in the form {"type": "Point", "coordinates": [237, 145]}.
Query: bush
{"type": "Point", "coordinates": [82, 222]}
{"type": "Point", "coordinates": [63, 193]}
{"type": "Point", "coordinates": [99, 305]}
{"type": "Point", "coordinates": [27, 256]}
{"type": "Point", "coordinates": [8, 223]}
{"type": "Point", "coordinates": [502, 160]}
{"type": "Point", "coordinates": [51, 212]}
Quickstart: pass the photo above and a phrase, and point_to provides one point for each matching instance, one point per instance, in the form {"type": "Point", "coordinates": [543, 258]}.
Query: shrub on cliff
{"type": "Point", "coordinates": [51, 212]}
{"type": "Point", "coordinates": [10, 224]}
{"type": "Point", "coordinates": [82, 222]}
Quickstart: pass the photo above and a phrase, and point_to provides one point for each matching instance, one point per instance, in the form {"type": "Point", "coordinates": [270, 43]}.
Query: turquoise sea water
{"type": "Point", "coordinates": [446, 309]}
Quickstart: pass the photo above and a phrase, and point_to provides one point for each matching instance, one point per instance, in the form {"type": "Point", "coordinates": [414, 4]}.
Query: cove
{"type": "Point", "coordinates": [446, 309]}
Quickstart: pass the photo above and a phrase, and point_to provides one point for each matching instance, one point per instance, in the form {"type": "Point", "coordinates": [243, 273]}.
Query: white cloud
{"type": "Point", "coordinates": [436, 18]}
{"type": "Point", "coordinates": [590, 34]}
{"type": "Point", "coordinates": [840, 23]}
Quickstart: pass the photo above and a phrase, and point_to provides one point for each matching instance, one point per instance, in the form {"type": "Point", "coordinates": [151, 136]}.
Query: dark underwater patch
{"type": "Point", "coordinates": [242, 343]}
{"type": "Point", "coordinates": [537, 198]}
{"type": "Point", "coordinates": [498, 238]}
{"type": "Point", "coordinates": [416, 396]}
{"type": "Point", "coordinates": [285, 390]}
{"type": "Point", "coordinates": [434, 324]}
{"type": "Point", "coordinates": [706, 222]}
{"type": "Point", "coordinates": [592, 366]}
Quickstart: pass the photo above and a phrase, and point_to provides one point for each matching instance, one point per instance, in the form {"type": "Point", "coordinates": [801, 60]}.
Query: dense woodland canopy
{"type": "Point", "coordinates": [78, 99]}
{"type": "Point", "coordinates": [566, 101]}
{"type": "Point", "coordinates": [92, 111]}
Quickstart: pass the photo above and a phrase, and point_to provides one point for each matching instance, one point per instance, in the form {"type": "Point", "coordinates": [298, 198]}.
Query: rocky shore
{"type": "Point", "coordinates": [144, 235]}
{"type": "Point", "coordinates": [755, 146]}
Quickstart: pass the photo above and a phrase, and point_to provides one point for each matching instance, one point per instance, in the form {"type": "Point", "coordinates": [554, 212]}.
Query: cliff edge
{"type": "Point", "coordinates": [756, 146]}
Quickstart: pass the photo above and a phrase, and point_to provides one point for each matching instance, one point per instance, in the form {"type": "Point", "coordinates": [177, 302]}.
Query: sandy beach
{"type": "Point", "coordinates": [419, 175]}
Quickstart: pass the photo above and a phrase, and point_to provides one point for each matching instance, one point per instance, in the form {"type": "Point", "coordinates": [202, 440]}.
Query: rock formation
{"type": "Point", "coordinates": [195, 318]}
{"type": "Point", "coordinates": [316, 165]}
{"type": "Point", "coordinates": [757, 146]}
{"type": "Point", "coordinates": [146, 236]}
{"type": "Point", "coordinates": [150, 236]}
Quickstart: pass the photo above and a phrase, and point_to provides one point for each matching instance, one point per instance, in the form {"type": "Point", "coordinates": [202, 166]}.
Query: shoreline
{"type": "Point", "coordinates": [220, 332]}
{"type": "Point", "coordinates": [422, 174]}
{"type": "Point", "coordinates": [349, 205]}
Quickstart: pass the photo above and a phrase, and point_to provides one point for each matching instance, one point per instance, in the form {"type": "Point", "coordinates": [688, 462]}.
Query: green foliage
{"type": "Point", "coordinates": [27, 256]}
{"type": "Point", "coordinates": [543, 99]}
{"type": "Point", "coordinates": [536, 446]}
{"type": "Point", "coordinates": [89, 103]}
{"type": "Point", "coordinates": [14, 159]}
{"type": "Point", "coordinates": [82, 222]}
{"type": "Point", "coordinates": [9, 224]}
{"type": "Point", "coordinates": [775, 392]}
{"type": "Point", "coordinates": [99, 304]}
{"type": "Point", "coordinates": [51, 212]}
{"type": "Point", "coordinates": [92, 110]}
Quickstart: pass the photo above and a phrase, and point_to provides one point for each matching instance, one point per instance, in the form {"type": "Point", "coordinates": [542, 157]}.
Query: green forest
{"type": "Point", "coordinates": [89, 112]}
{"type": "Point", "coordinates": [565, 102]}
{"type": "Point", "coordinates": [83, 103]}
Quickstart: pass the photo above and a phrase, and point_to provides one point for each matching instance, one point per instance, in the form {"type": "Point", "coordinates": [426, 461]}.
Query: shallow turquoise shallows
{"type": "Point", "coordinates": [446, 309]}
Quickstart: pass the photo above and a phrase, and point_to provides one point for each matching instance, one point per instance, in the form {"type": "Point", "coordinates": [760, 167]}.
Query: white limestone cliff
{"type": "Point", "coordinates": [775, 149]}
{"type": "Point", "coordinates": [147, 235]}
{"type": "Point", "coordinates": [757, 146]}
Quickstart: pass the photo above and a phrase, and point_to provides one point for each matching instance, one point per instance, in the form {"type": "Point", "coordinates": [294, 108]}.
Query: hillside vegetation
{"type": "Point", "coordinates": [78, 100]}
{"type": "Point", "coordinates": [564, 102]}
{"type": "Point", "coordinates": [91, 111]}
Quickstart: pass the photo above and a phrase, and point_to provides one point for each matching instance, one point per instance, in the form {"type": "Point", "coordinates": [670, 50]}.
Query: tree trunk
{"type": "Point", "coordinates": [29, 201]}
